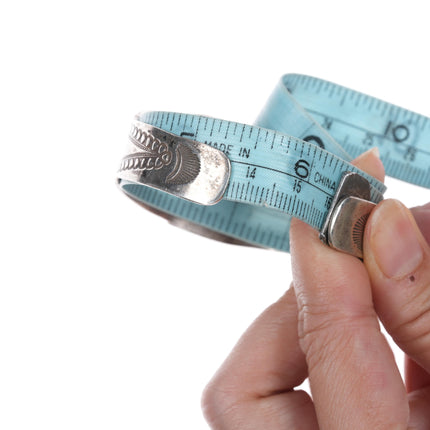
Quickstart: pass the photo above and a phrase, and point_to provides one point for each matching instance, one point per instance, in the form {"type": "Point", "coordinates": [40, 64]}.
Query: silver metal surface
{"type": "Point", "coordinates": [177, 165]}
{"type": "Point", "coordinates": [344, 226]}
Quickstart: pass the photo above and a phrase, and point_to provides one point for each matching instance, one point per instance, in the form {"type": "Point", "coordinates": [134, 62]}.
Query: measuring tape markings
{"type": "Point", "coordinates": [271, 170]}
{"type": "Point", "coordinates": [254, 145]}
{"type": "Point", "coordinates": [355, 118]}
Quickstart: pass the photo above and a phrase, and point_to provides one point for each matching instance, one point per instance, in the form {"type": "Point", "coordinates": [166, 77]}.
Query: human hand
{"type": "Point", "coordinates": [326, 328]}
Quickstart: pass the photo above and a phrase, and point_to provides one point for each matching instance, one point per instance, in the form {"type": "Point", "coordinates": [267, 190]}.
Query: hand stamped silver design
{"type": "Point", "coordinates": [154, 153]}
{"type": "Point", "coordinates": [186, 168]}
{"type": "Point", "coordinates": [174, 164]}
{"type": "Point", "coordinates": [358, 229]}
{"type": "Point", "coordinates": [348, 214]}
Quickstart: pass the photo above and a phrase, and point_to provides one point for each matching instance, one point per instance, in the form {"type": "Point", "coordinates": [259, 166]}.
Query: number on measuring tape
{"type": "Point", "coordinates": [290, 163]}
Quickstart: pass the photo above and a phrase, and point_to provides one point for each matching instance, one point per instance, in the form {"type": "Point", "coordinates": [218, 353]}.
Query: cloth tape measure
{"type": "Point", "coordinates": [242, 184]}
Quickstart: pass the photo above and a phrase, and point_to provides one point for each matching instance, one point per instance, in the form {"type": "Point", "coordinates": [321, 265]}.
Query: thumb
{"type": "Point", "coordinates": [422, 218]}
{"type": "Point", "coordinates": [397, 258]}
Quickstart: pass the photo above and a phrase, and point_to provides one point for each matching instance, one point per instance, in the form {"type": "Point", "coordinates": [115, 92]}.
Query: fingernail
{"type": "Point", "coordinates": [394, 240]}
{"type": "Point", "coordinates": [371, 163]}
{"type": "Point", "coordinates": [374, 151]}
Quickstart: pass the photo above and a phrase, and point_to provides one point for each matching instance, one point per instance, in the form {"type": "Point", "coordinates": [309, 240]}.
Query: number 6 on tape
{"type": "Point", "coordinates": [242, 184]}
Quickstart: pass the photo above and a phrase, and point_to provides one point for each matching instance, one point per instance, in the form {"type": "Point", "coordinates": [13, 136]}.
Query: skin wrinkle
{"type": "Point", "coordinates": [417, 344]}
{"type": "Point", "coordinates": [331, 322]}
{"type": "Point", "coordinates": [354, 379]}
{"type": "Point", "coordinates": [343, 360]}
{"type": "Point", "coordinates": [401, 237]}
{"type": "Point", "coordinates": [268, 332]}
{"type": "Point", "coordinates": [408, 300]}
{"type": "Point", "coordinates": [419, 323]}
{"type": "Point", "coordinates": [403, 306]}
{"type": "Point", "coordinates": [405, 311]}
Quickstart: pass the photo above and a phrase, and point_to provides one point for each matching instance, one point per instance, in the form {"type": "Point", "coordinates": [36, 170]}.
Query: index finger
{"type": "Point", "coordinates": [353, 376]}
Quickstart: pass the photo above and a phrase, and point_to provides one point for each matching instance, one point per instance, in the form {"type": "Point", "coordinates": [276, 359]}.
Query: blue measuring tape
{"type": "Point", "coordinates": [291, 163]}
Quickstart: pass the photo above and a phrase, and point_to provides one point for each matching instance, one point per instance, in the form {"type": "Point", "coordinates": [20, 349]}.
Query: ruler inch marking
{"type": "Point", "coordinates": [197, 128]}
{"type": "Point", "coordinates": [256, 140]}
{"type": "Point", "coordinates": [325, 159]}
{"type": "Point", "coordinates": [282, 141]}
{"type": "Point", "coordinates": [280, 200]}
{"type": "Point", "coordinates": [261, 195]}
{"type": "Point", "coordinates": [401, 135]}
{"type": "Point", "coordinates": [285, 202]}
{"type": "Point", "coordinates": [232, 188]}
{"type": "Point", "coordinates": [256, 194]}
{"type": "Point", "coordinates": [241, 135]}
{"type": "Point", "coordinates": [377, 134]}
{"type": "Point", "coordinates": [300, 208]}
{"type": "Point", "coordinates": [284, 173]}
{"type": "Point", "coordinates": [293, 209]}
{"type": "Point", "coordinates": [336, 165]}
{"type": "Point", "coordinates": [212, 128]}
{"type": "Point", "coordinates": [312, 210]}
{"type": "Point", "coordinates": [289, 204]}
{"type": "Point", "coordinates": [171, 123]}
{"type": "Point", "coordinates": [226, 132]}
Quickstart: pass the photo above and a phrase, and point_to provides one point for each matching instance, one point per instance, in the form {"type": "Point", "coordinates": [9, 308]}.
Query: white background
{"type": "Point", "coordinates": [110, 318]}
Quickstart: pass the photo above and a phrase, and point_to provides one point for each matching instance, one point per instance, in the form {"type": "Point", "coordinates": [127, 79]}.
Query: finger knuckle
{"type": "Point", "coordinates": [413, 326]}
{"type": "Point", "coordinates": [219, 405]}
{"type": "Point", "coordinates": [326, 332]}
